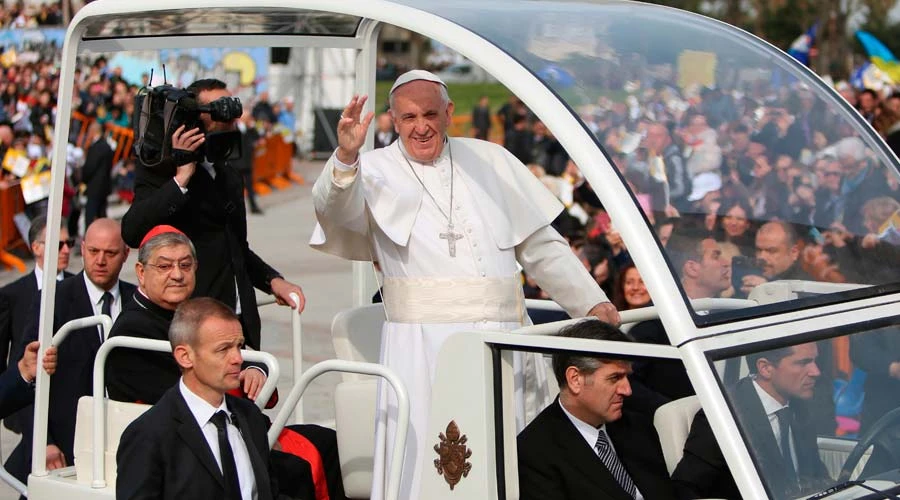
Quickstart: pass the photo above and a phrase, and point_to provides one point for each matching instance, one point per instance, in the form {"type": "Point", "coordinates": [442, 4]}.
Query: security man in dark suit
{"type": "Point", "coordinates": [97, 174]}
{"type": "Point", "coordinates": [584, 445]}
{"type": "Point", "coordinates": [772, 407]}
{"type": "Point", "coordinates": [385, 135]}
{"type": "Point", "coordinates": [205, 200]}
{"type": "Point", "coordinates": [17, 382]}
{"type": "Point", "coordinates": [198, 441]}
{"type": "Point", "coordinates": [96, 290]}
{"type": "Point", "coordinates": [16, 298]}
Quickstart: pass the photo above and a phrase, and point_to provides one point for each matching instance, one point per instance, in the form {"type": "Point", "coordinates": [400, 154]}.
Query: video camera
{"type": "Point", "coordinates": [160, 110]}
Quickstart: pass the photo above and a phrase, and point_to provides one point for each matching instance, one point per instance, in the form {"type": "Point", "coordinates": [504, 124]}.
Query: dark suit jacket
{"type": "Point", "coordinates": [702, 471]}
{"type": "Point", "coordinates": [135, 375]}
{"type": "Point", "coordinates": [752, 419]}
{"type": "Point", "coordinates": [163, 453]}
{"type": "Point", "coordinates": [97, 170]}
{"type": "Point", "coordinates": [213, 216]}
{"type": "Point", "coordinates": [16, 300]}
{"type": "Point", "coordinates": [15, 393]}
{"type": "Point", "coordinates": [75, 368]}
{"type": "Point", "coordinates": [383, 144]}
{"type": "Point", "coordinates": [655, 382]}
{"type": "Point", "coordinates": [874, 352]}
{"type": "Point", "coordinates": [556, 463]}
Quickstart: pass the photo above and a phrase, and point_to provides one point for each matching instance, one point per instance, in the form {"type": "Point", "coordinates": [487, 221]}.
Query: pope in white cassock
{"type": "Point", "coordinates": [447, 219]}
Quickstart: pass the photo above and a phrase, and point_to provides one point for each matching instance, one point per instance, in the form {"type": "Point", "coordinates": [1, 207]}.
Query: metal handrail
{"type": "Point", "coordinates": [339, 365]}
{"type": "Point", "coordinates": [42, 395]}
{"type": "Point", "coordinates": [99, 479]}
{"type": "Point", "coordinates": [296, 346]}
{"type": "Point", "coordinates": [627, 317]}
{"type": "Point", "coordinates": [11, 480]}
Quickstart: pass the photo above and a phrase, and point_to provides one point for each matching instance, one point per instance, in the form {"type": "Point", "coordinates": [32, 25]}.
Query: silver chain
{"type": "Point", "coordinates": [438, 205]}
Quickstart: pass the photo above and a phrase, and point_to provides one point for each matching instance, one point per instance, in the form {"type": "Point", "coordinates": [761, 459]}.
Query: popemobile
{"type": "Point", "coordinates": [595, 73]}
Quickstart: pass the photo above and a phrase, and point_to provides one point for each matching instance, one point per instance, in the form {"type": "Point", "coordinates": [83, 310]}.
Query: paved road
{"type": "Point", "coordinates": [279, 237]}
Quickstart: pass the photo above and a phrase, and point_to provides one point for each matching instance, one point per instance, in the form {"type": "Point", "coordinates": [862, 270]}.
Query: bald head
{"type": "Point", "coordinates": [104, 253]}
{"type": "Point", "coordinates": [777, 247]}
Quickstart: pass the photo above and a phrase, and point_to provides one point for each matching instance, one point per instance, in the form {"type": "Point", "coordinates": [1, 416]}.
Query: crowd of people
{"type": "Point", "coordinates": [21, 15]}
{"type": "Point", "coordinates": [104, 101]}
{"type": "Point", "coordinates": [740, 191]}
{"type": "Point", "coordinates": [727, 166]}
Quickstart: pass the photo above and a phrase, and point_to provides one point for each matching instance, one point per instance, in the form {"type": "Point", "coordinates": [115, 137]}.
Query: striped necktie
{"type": "Point", "coordinates": [613, 465]}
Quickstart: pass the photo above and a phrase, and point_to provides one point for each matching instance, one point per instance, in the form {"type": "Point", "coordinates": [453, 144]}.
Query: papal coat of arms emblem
{"type": "Point", "coordinates": [452, 455]}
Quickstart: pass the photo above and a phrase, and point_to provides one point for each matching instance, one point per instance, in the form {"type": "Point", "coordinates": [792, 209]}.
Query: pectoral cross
{"type": "Point", "coordinates": [451, 238]}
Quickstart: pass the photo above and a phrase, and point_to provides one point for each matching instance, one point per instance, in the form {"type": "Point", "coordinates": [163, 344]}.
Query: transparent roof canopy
{"type": "Point", "coordinates": [744, 143]}
{"type": "Point", "coordinates": [701, 119]}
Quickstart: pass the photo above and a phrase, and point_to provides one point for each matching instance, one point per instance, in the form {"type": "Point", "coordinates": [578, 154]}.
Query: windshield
{"type": "Point", "coordinates": [830, 397]}
{"type": "Point", "coordinates": [720, 133]}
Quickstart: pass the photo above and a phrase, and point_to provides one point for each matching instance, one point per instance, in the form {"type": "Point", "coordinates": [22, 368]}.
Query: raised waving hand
{"type": "Point", "coordinates": [351, 129]}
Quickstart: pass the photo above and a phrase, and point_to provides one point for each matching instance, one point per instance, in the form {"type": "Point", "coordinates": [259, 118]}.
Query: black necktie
{"type": "Point", "coordinates": [785, 415]}
{"type": "Point", "coordinates": [614, 465]}
{"type": "Point", "coordinates": [106, 304]}
{"type": "Point", "coordinates": [229, 469]}
{"type": "Point", "coordinates": [105, 308]}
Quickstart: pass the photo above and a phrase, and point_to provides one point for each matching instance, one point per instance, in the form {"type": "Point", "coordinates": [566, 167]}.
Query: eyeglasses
{"type": "Point", "coordinates": [167, 267]}
{"type": "Point", "coordinates": [68, 242]}
{"type": "Point", "coordinates": [831, 174]}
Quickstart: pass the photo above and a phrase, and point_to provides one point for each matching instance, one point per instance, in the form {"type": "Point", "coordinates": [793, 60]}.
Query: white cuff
{"type": "Point", "coordinates": [339, 165]}
{"type": "Point", "coordinates": [258, 368]}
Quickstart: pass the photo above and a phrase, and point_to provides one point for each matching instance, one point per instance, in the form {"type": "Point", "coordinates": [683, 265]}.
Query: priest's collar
{"type": "Point", "coordinates": [142, 300]}
{"type": "Point", "coordinates": [445, 153]}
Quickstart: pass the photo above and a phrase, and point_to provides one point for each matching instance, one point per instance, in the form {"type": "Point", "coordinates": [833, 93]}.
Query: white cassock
{"type": "Point", "coordinates": [502, 213]}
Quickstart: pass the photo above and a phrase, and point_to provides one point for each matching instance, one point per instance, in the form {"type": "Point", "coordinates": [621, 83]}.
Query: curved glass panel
{"type": "Point", "coordinates": [808, 411]}
{"type": "Point", "coordinates": [220, 21]}
{"type": "Point", "coordinates": [706, 122]}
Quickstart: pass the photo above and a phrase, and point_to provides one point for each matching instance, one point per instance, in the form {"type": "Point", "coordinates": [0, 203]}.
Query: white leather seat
{"type": "Point", "coordinates": [673, 424]}
{"type": "Point", "coordinates": [356, 334]}
{"type": "Point", "coordinates": [118, 416]}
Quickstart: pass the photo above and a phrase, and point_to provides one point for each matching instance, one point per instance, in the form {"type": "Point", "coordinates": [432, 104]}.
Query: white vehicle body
{"type": "Point", "coordinates": [513, 41]}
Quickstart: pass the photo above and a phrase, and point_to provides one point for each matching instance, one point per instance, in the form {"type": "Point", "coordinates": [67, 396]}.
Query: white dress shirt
{"type": "Point", "coordinates": [203, 412]}
{"type": "Point", "coordinates": [96, 295]}
{"type": "Point", "coordinates": [39, 276]}
{"type": "Point", "coordinates": [771, 406]}
{"type": "Point", "coordinates": [590, 434]}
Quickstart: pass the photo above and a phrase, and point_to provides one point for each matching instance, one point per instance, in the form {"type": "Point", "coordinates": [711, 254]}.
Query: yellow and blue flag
{"type": "Point", "coordinates": [880, 55]}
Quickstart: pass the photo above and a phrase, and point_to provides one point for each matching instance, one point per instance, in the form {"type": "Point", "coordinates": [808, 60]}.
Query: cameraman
{"type": "Point", "coordinates": [203, 196]}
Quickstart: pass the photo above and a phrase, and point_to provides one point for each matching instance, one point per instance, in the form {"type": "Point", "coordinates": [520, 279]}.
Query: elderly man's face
{"type": "Point", "coordinates": [62, 258]}
{"type": "Point", "coordinates": [169, 276]}
{"type": "Point", "coordinates": [775, 250]}
{"type": "Point", "coordinates": [421, 118]}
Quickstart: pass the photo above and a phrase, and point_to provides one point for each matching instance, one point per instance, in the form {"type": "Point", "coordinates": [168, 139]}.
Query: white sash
{"type": "Point", "coordinates": [454, 300]}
